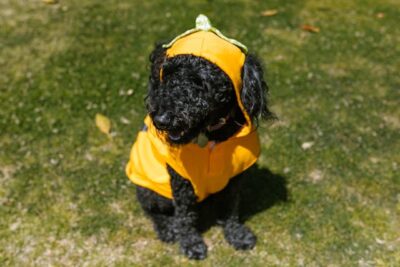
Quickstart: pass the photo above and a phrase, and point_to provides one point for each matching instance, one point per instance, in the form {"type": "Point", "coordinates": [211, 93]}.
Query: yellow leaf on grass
{"type": "Point", "coordinates": [380, 15]}
{"type": "Point", "coordinates": [310, 28]}
{"type": "Point", "coordinates": [269, 12]}
{"type": "Point", "coordinates": [103, 123]}
{"type": "Point", "coordinates": [50, 2]}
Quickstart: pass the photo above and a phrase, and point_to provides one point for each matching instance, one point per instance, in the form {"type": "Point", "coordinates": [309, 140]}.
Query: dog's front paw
{"type": "Point", "coordinates": [193, 247]}
{"type": "Point", "coordinates": [239, 236]}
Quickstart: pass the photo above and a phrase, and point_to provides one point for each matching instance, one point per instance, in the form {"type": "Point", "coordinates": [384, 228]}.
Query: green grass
{"type": "Point", "coordinates": [64, 197]}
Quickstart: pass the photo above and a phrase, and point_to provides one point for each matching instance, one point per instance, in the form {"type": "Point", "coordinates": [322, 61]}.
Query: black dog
{"type": "Point", "coordinates": [193, 97]}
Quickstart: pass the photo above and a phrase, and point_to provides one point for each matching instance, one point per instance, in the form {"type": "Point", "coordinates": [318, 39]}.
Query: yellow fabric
{"type": "Point", "coordinates": [210, 168]}
{"type": "Point", "coordinates": [228, 57]}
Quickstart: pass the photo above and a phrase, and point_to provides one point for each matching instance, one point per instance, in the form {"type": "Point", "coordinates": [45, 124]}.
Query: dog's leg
{"type": "Point", "coordinates": [160, 210]}
{"type": "Point", "coordinates": [186, 215]}
{"type": "Point", "coordinates": [163, 225]}
{"type": "Point", "coordinates": [237, 234]}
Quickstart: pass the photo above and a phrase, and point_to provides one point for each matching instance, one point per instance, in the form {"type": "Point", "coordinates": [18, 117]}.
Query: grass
{"type": "Point", "coordinates": [65, 200]}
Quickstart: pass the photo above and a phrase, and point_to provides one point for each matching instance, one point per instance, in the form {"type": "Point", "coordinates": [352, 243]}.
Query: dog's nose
{"type": "Point", "coordinates": [162, 121]}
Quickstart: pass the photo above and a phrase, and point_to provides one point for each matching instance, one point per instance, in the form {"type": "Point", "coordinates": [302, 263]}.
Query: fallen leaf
{"type": "Point", "coordinates": [103, 123]}
{"type": "Point", "coordinates": [50, 2]}
{"type": "Point", "coordinates": [380, 15]}
{"type": "Point", "coordinates": [307, 145]}
{"type": "Point", "coordinates": [15, 226]}
{"type": "Point", "coordinates": [316, 176]}
{"type": "Point", "coordinates": [374, 160]}
{"type": "Point", "coordinates": [380, 241]}
{"type": "Point", "coordinates": [269, 12]}
{"type": "Point", "coordinates": [310, 28]}
{"type": "Point", "coordinates": [125, 120]}
{"type": "Point", "coordinates": [286, 170]}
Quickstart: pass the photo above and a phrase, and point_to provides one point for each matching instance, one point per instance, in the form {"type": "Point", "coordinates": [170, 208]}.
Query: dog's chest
{"type": "Point", "coordinates": [209, 169]}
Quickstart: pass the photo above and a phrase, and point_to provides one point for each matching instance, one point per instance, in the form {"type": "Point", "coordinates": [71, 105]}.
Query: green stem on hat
{"type": "Point", "coordinates": [204, 24]}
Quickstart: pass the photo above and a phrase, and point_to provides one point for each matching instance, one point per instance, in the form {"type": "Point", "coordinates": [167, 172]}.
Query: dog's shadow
{"type": "Point", "coordinates": [261, 189]}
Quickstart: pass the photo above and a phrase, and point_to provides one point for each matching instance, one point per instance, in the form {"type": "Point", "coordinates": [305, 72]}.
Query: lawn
{"type": "Point", "coordinates": [332, 193]}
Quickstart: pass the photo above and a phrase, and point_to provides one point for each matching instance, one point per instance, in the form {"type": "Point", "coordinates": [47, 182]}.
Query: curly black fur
{"type": "Point", "coordinates": [190, 95]}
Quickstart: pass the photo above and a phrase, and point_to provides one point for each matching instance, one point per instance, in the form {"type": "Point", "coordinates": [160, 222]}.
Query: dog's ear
{"type": "Point", "coordinates": [254, 89]}
{"type": "Point", "coordinates": [157, 57]}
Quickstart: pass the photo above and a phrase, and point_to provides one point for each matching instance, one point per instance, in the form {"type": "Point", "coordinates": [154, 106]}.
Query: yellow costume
{"type": "Point", "coordinates": [210, 168]}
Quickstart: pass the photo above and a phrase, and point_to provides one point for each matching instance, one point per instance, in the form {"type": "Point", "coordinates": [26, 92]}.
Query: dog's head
{"type": "Point", "coordinates": [189, 95]}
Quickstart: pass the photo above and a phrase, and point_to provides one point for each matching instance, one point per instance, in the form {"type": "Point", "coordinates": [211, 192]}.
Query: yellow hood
{"type": "Point", "coordinates": [208, 43]}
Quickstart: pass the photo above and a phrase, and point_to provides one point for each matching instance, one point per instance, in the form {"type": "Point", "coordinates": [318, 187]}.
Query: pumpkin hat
{"type": "Point", "coordinates": [209, 43]}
